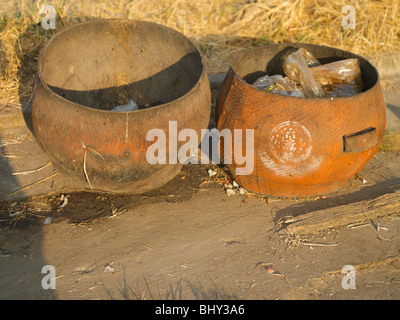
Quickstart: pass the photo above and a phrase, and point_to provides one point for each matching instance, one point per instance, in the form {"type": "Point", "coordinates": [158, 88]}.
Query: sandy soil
{"type": "Point", "coordinates": [189, 240]}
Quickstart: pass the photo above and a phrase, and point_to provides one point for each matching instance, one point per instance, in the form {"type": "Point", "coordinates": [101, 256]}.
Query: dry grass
{"type": "Point", "coordinates": [220, 28]}
{"type": "Point", "coordinates": [390, 141]}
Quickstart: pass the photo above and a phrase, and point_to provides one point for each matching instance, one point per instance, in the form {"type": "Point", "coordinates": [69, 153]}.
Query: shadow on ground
{"type": "Point", "coordinates": [369, 192]}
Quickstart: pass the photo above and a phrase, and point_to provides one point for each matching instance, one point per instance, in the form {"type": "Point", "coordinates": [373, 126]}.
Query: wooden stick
{"type": "Point", "coordinates": [84, 169]}
{"type": "Point", "coordinates": [31, 171]}
{"type": "Point", "coordinates": [33, 184]}
{"type": "Point", "coordinates": [89, 149]}
{"type": "Point", "coordinates": [318, 244]}
{"type": "Point", "coordinates": [320, 220]}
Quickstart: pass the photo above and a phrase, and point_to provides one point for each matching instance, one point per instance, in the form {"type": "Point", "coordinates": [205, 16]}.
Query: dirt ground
{"type": "Point", "coordinates": [189, 240]}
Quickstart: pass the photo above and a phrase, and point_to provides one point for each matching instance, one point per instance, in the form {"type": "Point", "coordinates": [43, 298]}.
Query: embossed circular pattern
{"type": "Point", "coordinates": [290, 142]}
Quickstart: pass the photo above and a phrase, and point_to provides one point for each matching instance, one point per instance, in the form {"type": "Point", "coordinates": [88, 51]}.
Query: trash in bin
{"type": "Point", "coordinates": [306, 77]}
{"type": "Point", "coordinates": [297, 69]}
{"type": "Point", "coordinates": [309, 58]}
{"type": "Point", "coordinates": [279, 84]}
{"type": "Point", "coordinates": [340, 78]}
{"type": "Point", "coordinates": [341, 71]}
{"type": "Point", "coordinates": [130, 106]}
{"type": "Point", "coordinates": [336, 90]}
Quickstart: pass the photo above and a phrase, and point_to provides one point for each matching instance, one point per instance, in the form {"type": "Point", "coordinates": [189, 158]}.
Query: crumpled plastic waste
{"type": "Point", "coordinates": [337, 90]}
{"type": "Point", "coordinates": [279, 84]}
{"type": "Point", "coordinates": [306, 77]}
{"type": "Point", "coordinates": [297, 69]}
{"type": "Point", "coordinates": [309, 58]}
{"type": "Point", "coordinates": [64, 200]}
{"type": "Point", "coordinates": [130, 106]}
{"type": "Point", "coordinates": [337, 72]}
{"type": "Point", "coordinates": [340, 78]}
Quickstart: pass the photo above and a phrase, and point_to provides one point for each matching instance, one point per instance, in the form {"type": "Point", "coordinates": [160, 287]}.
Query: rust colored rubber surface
{"type": "Point", "coordinates": [78, 72]}
{"type": "Point", "coordinates": [302, 146]}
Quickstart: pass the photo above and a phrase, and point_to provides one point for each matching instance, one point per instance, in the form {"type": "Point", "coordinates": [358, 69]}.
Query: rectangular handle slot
{"type": "Point", "coordinates": [360, 141]}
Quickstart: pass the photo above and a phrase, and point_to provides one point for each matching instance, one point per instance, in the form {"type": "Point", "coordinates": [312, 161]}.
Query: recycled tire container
{"type": "Point", "coordinates": [302, 146]}
{"type": "Point", "coordinates": [82, 72]}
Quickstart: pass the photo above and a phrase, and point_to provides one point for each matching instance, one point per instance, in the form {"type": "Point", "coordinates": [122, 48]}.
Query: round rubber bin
{"type": "Point", "coordinates": [301, 146]}
{"type": "Point", "coordinates": [86, 70]}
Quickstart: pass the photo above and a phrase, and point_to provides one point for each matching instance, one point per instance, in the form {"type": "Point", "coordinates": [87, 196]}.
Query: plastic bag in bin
{"type": "Point", "coordinates": [309, 58]}
{"type": "Point", "coordinates": [279, 84]}
{"type": "Point", "coordinates": [297, 69]}
{"type": "Point", "coordinates": [347, 70]}
{"type": "Point", "coordinates": [336, 90]}
{"type": "Point", "coordinates": [306, 77]}
{"type": "Point", "coordinates": [340, 78]}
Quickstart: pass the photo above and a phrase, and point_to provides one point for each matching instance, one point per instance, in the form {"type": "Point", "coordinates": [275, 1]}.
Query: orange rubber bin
{"type": "Point", "coordinates": [302, 146]}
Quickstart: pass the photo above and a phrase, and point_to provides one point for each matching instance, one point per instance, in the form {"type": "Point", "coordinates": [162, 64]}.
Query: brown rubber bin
{"type": "Point", "coordinates": [81, 72]}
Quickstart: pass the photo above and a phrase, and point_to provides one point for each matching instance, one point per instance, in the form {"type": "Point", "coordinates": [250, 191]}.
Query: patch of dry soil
{"type": "Point", "coordinates": [189, 240]}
